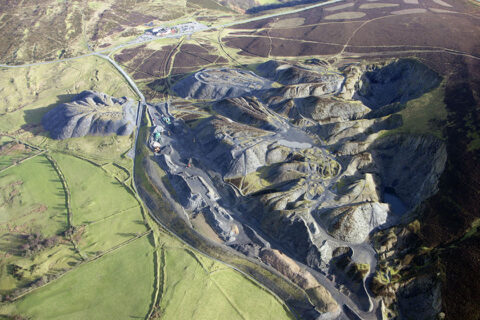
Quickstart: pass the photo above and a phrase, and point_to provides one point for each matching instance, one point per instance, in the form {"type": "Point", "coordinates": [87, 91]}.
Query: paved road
{"type": "Point", "coordinates": [124, 74]}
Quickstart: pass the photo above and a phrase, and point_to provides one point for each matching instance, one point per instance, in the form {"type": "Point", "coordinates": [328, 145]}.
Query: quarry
{"type": "Point", "coordinates": [299, 175]}
{"type": "Point", "coordinates": [296, 166]}
{"type": "Point", "coordinates": [239, 159]}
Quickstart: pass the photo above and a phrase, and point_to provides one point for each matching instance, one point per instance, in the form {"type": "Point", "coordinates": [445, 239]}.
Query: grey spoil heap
{"type": "Point", "coordinates": [302, 167]}
{"type": "Point", "coordinates": [91, 113]}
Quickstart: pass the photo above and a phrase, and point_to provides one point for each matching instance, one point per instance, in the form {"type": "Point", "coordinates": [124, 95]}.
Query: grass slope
{"type": "Point", "coordinates": [199, 288]}
{"type": "Point", "coordinates": [426, 114]}
{"type": "Point", "coordinates": [95, 194]}
{"type": "Point", "coordinates": [117, 286]}
{"type": "Point", "coordinates": [31, 201]}
{"type": "Point", "coordinates": [110, 213]}
{"type": "Point", "coordinates": [28, 93]}
{"type": "Point", "coordinates": [32, 198]}
{"type": "Point", "coordinates": [12, 152]}
{"type": "Point", "coordinates": [102, 150]}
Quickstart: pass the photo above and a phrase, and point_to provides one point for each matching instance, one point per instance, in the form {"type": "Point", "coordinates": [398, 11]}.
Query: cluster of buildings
{"type": "Point", "coordinates": [184, 28]}
{"type": "Point", "coordinates": [161, 31]}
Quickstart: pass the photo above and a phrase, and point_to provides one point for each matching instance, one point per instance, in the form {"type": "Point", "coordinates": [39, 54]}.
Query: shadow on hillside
{"type": "Point", "coordinates": [33, 117]}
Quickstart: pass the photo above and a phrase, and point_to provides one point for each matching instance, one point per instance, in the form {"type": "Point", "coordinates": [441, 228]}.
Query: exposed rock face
{"type": "Point", "coordinates": [399, 81]}
{"type": "Point", "coordinates": [354, 223]}
{"type": "Point", "coordinates": [217, 136]}
{"type": "Point", "coordinates": [288, 268]}
{"type": "Point", "coordinates": [352, 73]}
{"type": "Point", "coordinates": [215, 84]}
{"type": "Point", "coordinates": [246, 110]}
{"type": "Point", "coordinates": [308, 163]}
{"type": "Point", "coordinates": [411, 165]}
{"type": "Point", "coordinates": [353, 137]}
{"type": "Point", "coordinates": [303, 90]}
{"type": "Point", "coordinates": [359, 188]}
{"type": "Point", "coordinates": [420, 299]}
{"type": "Point", "coordinates": [321, 110]}
{"type": "Point", "coordinates": [91, 113]}
{"type": "Point", "coordinates": [288, 74]}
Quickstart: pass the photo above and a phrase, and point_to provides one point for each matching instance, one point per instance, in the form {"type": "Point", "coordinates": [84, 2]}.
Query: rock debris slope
{"type": "Point", "coordinates": [91, 113]}
{"type": "Point", "coordinates": [303, 166]}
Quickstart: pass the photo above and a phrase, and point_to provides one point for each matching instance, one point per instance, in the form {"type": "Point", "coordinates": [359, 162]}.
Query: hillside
{"type": "Point", "coordinates": [239, 159]}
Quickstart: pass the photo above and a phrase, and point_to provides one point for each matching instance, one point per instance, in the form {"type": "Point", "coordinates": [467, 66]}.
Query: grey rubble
{"type": "Point", "coordinates": [316, 140]}
{"type": "Point", "coordinates": [91, 113]}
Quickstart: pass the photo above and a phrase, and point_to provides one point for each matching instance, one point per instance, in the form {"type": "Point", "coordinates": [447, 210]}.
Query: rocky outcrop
{"type": "Point", "coordinates": [420, 298]}
{"type": "Point", "coordinates": [288, 268]}
{"type": "Point", "coordinates": [91, 113]}
{"type": "Point", "coordinates": [354, 189]}
{"type": "Point", "coordinates": [301, 90]}
{"type": "Point", "coordinates": [354, 223]}
{"type": "Point", "coordinates": [219, 83]}
{"type": "Point", "coordinates": [217, 137]}
{"type": "Point", "coordinates": [341, 134]}
{"type": "Point", "coordinates": [288, 74]}
{"type": "Point", "coordinates": [323, 300]}
{"type": "Point", "coordinates": [410, 165]}
{"type": "Point", "coordinates": [322, 110]}
{"type": "Point", "coordinates": [246, 110]}
{"type": "Point", "coordinates": [352, 74]}
{"type": "Point", "coordinates": [399, 81]}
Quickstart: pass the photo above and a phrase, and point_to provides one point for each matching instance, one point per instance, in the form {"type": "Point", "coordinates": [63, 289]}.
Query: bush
{"type": "Point", "coordinates": [35, 243]}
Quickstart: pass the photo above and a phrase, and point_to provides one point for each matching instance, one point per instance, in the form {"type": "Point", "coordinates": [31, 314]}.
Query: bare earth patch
{"type": "Point", "coordinates": [410, 11]}
{"type": "Point", "coordinates": [10, 148]}
{"type": "Point", "coordinates": [339, 7]}
{"type": "Point", "coordinates": [287, 23]}
{"type": "Point", "coordinates": [377, 5]}
{"type": "Point", "coordinates": [441, 10]}
{"type": "Point", "coordinates": [442, 3]}
{"type": "Point", "coordinates": [348, 15]}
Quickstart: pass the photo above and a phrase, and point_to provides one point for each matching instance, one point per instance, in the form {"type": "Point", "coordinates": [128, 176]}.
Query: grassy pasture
{"type": "Point", "coordinates": [32, 200]}
{"type": "Point", "coordinates": [199, 288]}
{"type": "Point", "coordinates": [102, 150]}
{"type": "Point", "coordinates": [117, 286]}
{"type": "Point", "coordinates": [12, 152]}
{"type": "Point", "coordinates": [110, 213]}
{"type": "Point", "coordinates": [95, 194]}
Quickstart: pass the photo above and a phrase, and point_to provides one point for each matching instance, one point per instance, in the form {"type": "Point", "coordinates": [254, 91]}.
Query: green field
{"type": "Point", "coordinates": [117, 286]}
{"type": "Point", "coordinates": [95, 194]}
{"type": "Point", "coordinates": [109, 212]}
{"type": "Point", "coordinates": [199, 288]}
{"type": "Point", "coordinates": [102, 150]}
{"type": "Point", "coordinates": [12, 152]}
{"type": "Point", "coordinates": [32, 200]}
{"type": "Point", "coordinates": [112, 231]}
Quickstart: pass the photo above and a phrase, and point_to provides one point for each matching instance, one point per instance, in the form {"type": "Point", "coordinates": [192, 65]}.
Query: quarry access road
{"type": "Point", "coordinates": [124, 74]}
